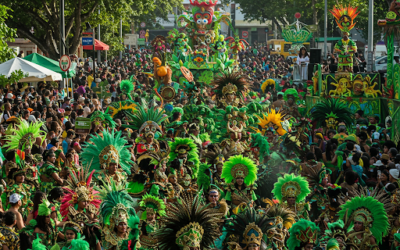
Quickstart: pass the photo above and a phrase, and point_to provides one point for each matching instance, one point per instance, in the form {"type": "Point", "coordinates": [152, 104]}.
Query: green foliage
{"type": "Point", "coordinates": [14, 78]}
{"type": "Point", "coordinates": [7, 35]}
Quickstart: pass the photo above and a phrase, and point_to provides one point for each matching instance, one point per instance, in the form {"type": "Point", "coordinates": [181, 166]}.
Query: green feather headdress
{"type": "Point", "coordinates": [334, 108]}
{"type": "Point", "coordinates": [332, 244]}
{"type": "Point", "coordinates": [257, 140]}
{"type": "Point", "coordinates": [115, 198]}
{"type": "Point", "coordinates": [305, 230]}
{"type": "Point", "coordinates": [296, 186]}
{"type": "Point", "coordinates": [191, 152]}
{"type": "Point", "coordinates": [104, 117]}
{"type": "Point", "coordinates": [152, 203]}
{"type": "Point", "coordinates": [44, 208]}
{"type": "Point", "coordinates": [203, 177]}
{"type": "Point", "coordinates": [24, 135]}
{"type": "Point", "coordinates": [239, 166]}
{"type": "Point", "coordinates": [368, 210]}
{"type": "Point", "coordinates": [293, 92]}
{"type": "Point", "coordinates": [127, 87]}
{"type": "Point", "coordinates": [142, 115]}
{"type": "Point", "coordinates": [92, 153]}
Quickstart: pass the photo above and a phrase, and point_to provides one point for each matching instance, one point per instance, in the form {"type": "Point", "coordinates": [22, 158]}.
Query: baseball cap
{"type": "Point", "coordinates": [14, 198]}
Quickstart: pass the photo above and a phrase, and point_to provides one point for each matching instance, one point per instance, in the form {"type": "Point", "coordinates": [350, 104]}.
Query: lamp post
{"type": "Point", "coordinates": [370, 36]}
{"type": "Point", "coordinates": [326, 29]}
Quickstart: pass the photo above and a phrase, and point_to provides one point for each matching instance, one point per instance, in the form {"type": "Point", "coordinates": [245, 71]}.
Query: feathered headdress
{"type": "Point", "coordinates": [98, 116]}
{"type": "Point", "coordinates": [79, 188]}
{"type": "Point", "coordinates": [302, 233]}
{"type": "Point", "coordinates": [106, 149]}
{"type": "Point", "coordinates": [204, 177]}
{"type": "Point", "coordinates": [24, 135]}
{"type": "Point", "coordinates": [281, 214]}
{"type": "Point", "coordinates": [185, 146]}
{"type": "Point", "coordinates": [152, 204]}
{"type": "Point", "coordinates": [127, 87]}
{"type": "Point", "coordinates": [368, 210]}
{"type": "Point", "coordinates": [239, 166]}
{"type": "Point", "coordinates": [269, 83]}
{"type": "Point", "coordinates": [188, 224]}
{"type": "Point", "coordinates": [344, 17]}
{"type": "Point", "coordinates": [143, 118]}
{"type": "Point", "coordinates": [260, 142]}
{"type": "Point", "coordinates": [272, 120]}
{"type": "Point", "coordinates": [249, 227]}
{"type": "Point", "coordinates": [44, 208]}
{"type": "Point", "coordinates": [215, 155]}
{"type": "Point", "coordinates": [231, 82]}
{"type": "Point", "coordinates": [334, 108]}
{"type": "Point", "coordinates": [291, 186]}
{"type": "Point", "coordinates": [116, 204]}
{"type": "Point", "coordinates": [121, 109]}
{"type": "Point", "coordinates": [292, 92]}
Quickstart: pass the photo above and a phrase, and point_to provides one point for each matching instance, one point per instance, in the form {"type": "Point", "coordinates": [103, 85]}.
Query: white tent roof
{"type": "Point", "coordinates": [36, 72]}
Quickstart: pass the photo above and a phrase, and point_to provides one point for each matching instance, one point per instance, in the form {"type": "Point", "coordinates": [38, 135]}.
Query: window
{"type": "Point", "coordinates": [383, 61]}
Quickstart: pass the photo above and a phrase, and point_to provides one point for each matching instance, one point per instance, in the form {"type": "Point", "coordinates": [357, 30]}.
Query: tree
{"type": "Point", "coordinates": [43, 16]}
{"type": "Point", "coordinates": [7, 34]}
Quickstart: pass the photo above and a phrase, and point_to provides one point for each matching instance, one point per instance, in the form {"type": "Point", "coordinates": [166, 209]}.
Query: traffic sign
{"type": "Point", "coordinates": [65, 63]}
{"type": "Point", "coordinates": [142, 24]}
{"type": "Point", "coordinates": [87, 41]}
{"type": "Point", "coordinates": [245, 34]}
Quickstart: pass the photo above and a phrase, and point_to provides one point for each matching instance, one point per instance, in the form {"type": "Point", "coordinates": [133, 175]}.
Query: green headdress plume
{"type": "Point", "coordinates": [37, 245]}
{"type": "Point", "coordinates": [204, 177]}
{"type": "Point", "coordinates": [142, 115]}
{"type": "Point", "coordinates": [177, 109]}
{"type": "Point", "coordinates": [333, 244]}
{"type": "Point", "coordinates": [293, 92]}
{"type": "Point", "coordinates": [44, 208]}
{"type": "Point", "coordinates": [257, 140]}
{"type": "Point", "coordinates": [24, 135]}
{"type": "Point", "coordinates": [117, 205]}
{"type": "Point", "coordinates": [301, 233]}
{"type": "Point", "coordinates": [334, 108]}
{"type": "Point", "coordinates": [239, 166]}
{"type": "Point", "coordinates": [98, 116]}
{"type": "Point", "coordinates": [127, 87]}
{"type": "Point", "coordinates": [185, 145]}
{"type": "Point", "coordinates": [152, 204]}
{"type": "Point", "coordinates": [368, 210]}
{"type": "Point", "coordinates": [291, 186]}
{"type": "Point", "coordinates": [106, 149]}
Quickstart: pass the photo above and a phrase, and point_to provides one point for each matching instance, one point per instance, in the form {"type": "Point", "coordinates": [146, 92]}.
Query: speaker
{"type": "Point", "coordinates": [315, 55]}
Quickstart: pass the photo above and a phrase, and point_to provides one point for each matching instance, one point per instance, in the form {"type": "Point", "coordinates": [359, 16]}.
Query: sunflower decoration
{"type": "Point", "coordinates": [271, 121]}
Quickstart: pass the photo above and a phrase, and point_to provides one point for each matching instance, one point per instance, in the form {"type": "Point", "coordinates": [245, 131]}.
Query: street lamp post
{"type": "Point", "coordinates": [370, 36]}
{"type": "Point", "coordinates": [326, 30]}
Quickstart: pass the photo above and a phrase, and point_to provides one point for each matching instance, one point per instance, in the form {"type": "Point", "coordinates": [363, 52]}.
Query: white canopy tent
{"type": "Point", "coordinates": [36, 72]}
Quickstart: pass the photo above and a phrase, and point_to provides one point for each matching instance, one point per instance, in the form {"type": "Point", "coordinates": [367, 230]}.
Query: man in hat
{"type": "Point", "coordinates": [15, 202]}
{"type": "Point", "coordinates": [394, 176]}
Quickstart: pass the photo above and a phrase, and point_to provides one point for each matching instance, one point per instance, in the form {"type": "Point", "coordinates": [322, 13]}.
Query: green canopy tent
{"type": "Point", "coordinates": [49, 64]}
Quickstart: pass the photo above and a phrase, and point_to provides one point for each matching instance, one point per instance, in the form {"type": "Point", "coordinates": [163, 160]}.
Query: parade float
{"type": "Point", "coordinates": [359, 91]}
{"type": "Point", "coordinates": [197, 52]}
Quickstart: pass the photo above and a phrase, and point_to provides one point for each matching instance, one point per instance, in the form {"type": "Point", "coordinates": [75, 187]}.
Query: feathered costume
{"type": "Point", "coordinates": [121, 109]}
{"type": "Point", "coordinates": [248, 227]}
{"type": "Point", "coordinates": [239, 166]}
{"type": "Point", "coordinates": [231, 83]}
{"type": "Point", "coordinates": [24, 135]}
{"type": "Point", "coordinates": [99, 117]}
{"type": "Point", "coordinates": [268, 85]}
{"type": "Point", "coordinates": [331, 112]}
{"type": "Point", "coordinates": [271, 121]}
{"type": "Point", "coordinates": [292, 186]}
{"type": "Point", "coordinates": [127, 87]}
{"type": "Point", "coordinates": [189, 224]}
{"type": "Point", "coordinates": [370, 212]}
{"type": "Point", "coordinates": [186, 146]}
{"type": "Point", "coordinates": [118, 207]}
{"type": "Point", "coordinates": [106, 149]}
{"type": "Point", "coordinates": [302, 233]}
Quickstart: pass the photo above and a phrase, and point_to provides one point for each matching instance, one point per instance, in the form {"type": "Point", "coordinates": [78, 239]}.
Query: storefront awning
{"type": "Point", "coordinates": [98, 46]}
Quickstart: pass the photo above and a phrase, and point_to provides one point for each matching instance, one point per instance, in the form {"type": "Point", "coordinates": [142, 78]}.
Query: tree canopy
{"type": "Point", "coordinates": [7, 34]}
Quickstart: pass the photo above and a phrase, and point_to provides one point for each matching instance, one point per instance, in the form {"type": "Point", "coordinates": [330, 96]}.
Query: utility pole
{"type": "Point", "coordinates": [120, 35]}
{"type": "Point", "coordinates": [98, 38]}
{"type": "Point", "coordinates": [370, 36]}
{"type": "Point", "coordinates": [62, 35]}
{"type": "Point", "coordinates": [326, 30]}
